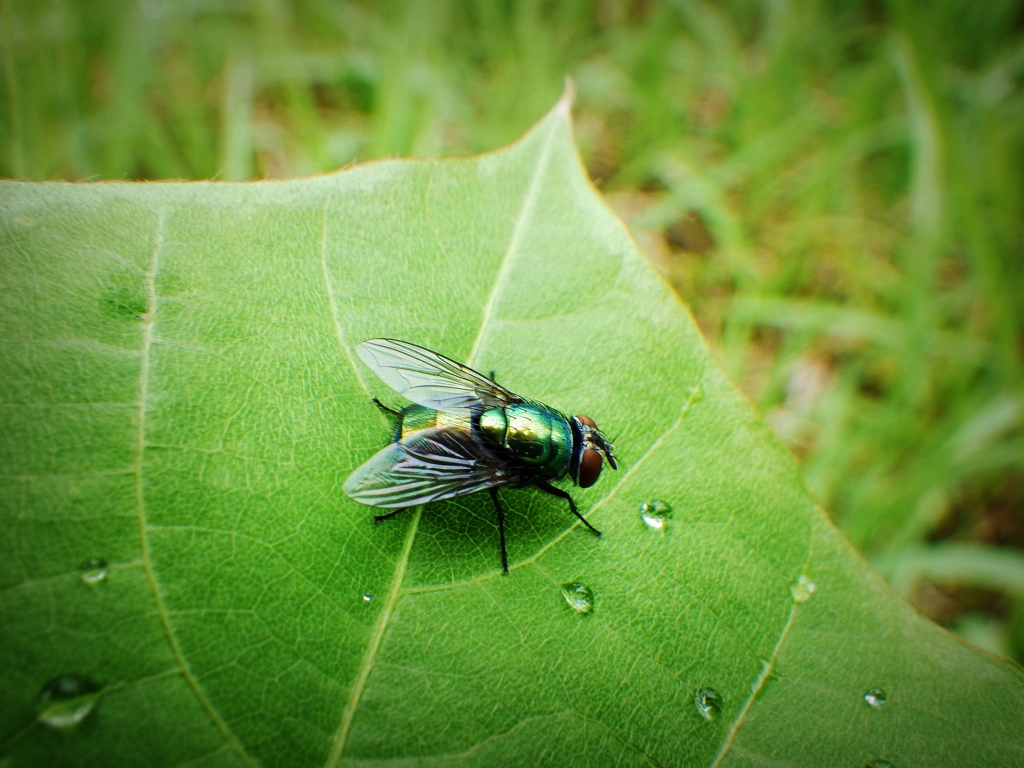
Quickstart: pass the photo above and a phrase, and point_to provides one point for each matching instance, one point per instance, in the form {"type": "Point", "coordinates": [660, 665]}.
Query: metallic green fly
{"type": "Point", "coordinates": [464, 433]}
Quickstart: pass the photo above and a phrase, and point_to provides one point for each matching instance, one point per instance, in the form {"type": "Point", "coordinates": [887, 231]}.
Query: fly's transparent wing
{"type": "Point", "coordinates": [430, 379]}
{"type": "Point", "coordinates": [431, 465]}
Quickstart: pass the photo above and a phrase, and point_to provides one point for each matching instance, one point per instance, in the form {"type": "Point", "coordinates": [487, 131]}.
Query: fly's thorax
{"type": "Point", "coordinates": [530, 433]}
{"type": "Point", "coordinates": [528, 436]}
{"type": "Point", "coordinates": [415, 418]}
{"type": "Point", "coordinates": [493, 425]}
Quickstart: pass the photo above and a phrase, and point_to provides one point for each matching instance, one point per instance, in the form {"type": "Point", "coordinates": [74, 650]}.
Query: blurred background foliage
{"type": "Point", "coordinates": [833, 186]}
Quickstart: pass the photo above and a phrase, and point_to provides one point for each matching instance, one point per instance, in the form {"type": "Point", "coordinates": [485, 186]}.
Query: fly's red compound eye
{"type": "Point", "coordinates": [590, 468]}
{"type": "Point", "coordinates": [586, 420]}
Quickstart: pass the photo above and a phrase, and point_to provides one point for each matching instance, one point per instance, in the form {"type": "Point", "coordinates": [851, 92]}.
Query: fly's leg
{"type": "Point", "coordinates": [548, 488]}
{"type": "Point", "coordinates": [393, 417]}
{"type": "Point", "coordinates": [501, 529]}
{"type": "Point", "coordinates": [378, 518]}
{"type": "Point", "coordinates": [384, 408]}
{"type": "Point", "coordinates": [491, 376]}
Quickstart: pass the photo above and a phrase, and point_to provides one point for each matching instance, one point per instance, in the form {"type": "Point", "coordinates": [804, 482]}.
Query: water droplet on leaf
{"type": "Point", "coordinates": [802, 589]}
{"type": "Point", "coordinates": [94, 570]}
{"type": "Point", "coordinates": [579, 596]}
{"type": "Point", "coordinates": [876, 697]}
{"type": "Point", "coordinates": [708, 702]}
{"type": "Point", "coordinates": [655, 514]}
{"type": "Point", "coordinates": [66, 701]}
{"type": "Point", "coordinates": [367, 598]}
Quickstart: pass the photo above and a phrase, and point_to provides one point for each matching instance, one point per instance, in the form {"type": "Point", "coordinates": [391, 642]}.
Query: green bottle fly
{"type": "Point", "coordinates": [464, 433]}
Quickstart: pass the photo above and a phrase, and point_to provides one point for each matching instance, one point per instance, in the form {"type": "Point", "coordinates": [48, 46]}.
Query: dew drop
{"type": "Point", "coordinates": [66, 701]}
{"type": "Point", "coordinates": [876, 697]}
{"type": "Point", "coordinates": [655, 514]}
{"type": "Point", "coordinates": [879, 764]}
{"type": "Point", "coordinates": [708, 702]}
{"type": "Point", "coordinates": [579, 596]}
{"type": "Point", "coordinates": [367, 598]}
{"type": "Point", "coordinates": [802, 589]}
{"type": "Point", "coordinates": [94, 570]}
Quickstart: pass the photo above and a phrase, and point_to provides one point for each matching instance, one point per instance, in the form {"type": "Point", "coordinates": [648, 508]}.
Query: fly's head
{"type": "Point", "coordinates": [590, 451]}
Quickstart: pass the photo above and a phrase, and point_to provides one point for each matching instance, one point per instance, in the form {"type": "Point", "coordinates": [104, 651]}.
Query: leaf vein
{"type": "Point", "coordinates": [513, 246]}
{"type": "Point", "coordinates": [29, 583]}
{"type": "Point", "coordinates": [755, 689]}
{"type": "Point", "coordinates": [371, 651]}
{"type": "Point", "coordinates": [329, 286]}
{"type": "Point", "coordinates": [148, 323]}
{"type": "Point", "coordinates": [268, 545]}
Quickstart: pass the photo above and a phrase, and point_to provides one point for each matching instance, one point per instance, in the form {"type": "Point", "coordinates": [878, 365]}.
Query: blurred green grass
{"type": "Point", "coordinates": [834, 187]}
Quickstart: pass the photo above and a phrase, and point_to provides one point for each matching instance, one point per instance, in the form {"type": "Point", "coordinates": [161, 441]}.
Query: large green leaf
{"type": "Point", "coordinates": [181, 400]}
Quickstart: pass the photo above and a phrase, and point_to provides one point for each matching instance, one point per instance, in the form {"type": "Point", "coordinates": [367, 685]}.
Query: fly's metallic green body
{"type": "Point", "coordinates": [464, 433]}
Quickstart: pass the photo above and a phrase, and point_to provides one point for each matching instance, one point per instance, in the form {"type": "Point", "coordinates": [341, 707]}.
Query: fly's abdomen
{"type": "Point", "coordinates": [416, 418]}
{"type": "Point", "coordinates": [531, 434]}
